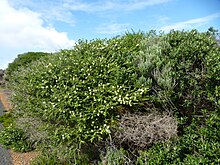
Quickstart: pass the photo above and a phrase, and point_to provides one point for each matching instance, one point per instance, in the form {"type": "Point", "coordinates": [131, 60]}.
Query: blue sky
{"type": "Point", "coordinates": [51, 25]}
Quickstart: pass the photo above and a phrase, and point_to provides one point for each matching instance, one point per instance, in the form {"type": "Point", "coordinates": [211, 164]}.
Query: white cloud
{"type": "Point", "coordinates": [22, 30]}
{"type": "Point", "coordinates": [112, 28]}
{"type": "Point", "coordinates": [193, 23]}
{"type": "Point", "coordinates": [51, 10]}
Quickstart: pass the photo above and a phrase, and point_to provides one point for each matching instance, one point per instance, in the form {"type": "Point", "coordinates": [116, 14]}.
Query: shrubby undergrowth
{"type": "Point", "coordinates": [86, 100]}
{"type": "Point", "coordinates": [15, 138]}
{"type": "Point", "coordinates": [23, 60]}
{"type": "Point", "coordinates": [199, 145]}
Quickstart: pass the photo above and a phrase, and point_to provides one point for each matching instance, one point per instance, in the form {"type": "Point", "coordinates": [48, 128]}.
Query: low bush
{"type": "Point", "coordinates": [46, 158]}
{"type": "Point", "coordinates": [15, 139]}
{"type": "Point", "coordinates": [7, 119]}
{"type": "Point", "coordinates": [67, 155]}
{"type": "Point", "coordinates": [23, 60]}
{"type": "Point", "coordinates": [199, 144]}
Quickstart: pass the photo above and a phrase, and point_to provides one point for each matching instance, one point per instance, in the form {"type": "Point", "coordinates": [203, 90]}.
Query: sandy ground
{"type": "Point", "coordinates": [23, 158]}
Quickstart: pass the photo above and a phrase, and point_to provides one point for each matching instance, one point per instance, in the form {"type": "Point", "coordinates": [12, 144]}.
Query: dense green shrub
{"type": "Point", "coordinates": [80, 95]}
{"type": "Point", "coordinates": [181, 68]}
{"type": "Point", "coordinates": [23, 60]}
{"type": "Point", "coordinates": [76, 92]}
{"type": "Point", "coordinates": [199, 144]}
{"type": "Point", "coordinates": [193, 57]}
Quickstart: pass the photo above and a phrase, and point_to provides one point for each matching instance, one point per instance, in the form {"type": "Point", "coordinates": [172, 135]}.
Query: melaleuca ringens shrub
{"type": "Point", "coordinates": [76, 92]}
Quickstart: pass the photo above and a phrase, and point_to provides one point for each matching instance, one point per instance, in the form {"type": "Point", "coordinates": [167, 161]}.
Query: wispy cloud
{"type": "Point", "coordinates": [63, 10]}
{"type": "Point", "coordinates": [193, 23]}
{"type": "Point", "coordinates": [57, 13]}
{"type": "Point", "coordinates": [112, 28]}
{"type": "Point", "coordinates": [141, 4]}
{"type": "Point", "coordinates": [104, 5]}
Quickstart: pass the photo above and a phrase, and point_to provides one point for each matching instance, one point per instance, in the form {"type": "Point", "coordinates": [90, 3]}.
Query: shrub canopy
{"type": "Point", "coordinates": [76, 92]}
{"type": "Point", "coordinates": [80, 94]}
{"type": "Point", "coordinates": [23, 60]}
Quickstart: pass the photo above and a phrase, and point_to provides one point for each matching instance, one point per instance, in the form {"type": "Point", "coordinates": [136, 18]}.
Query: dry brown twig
{"type": "Point", "coordinates": [140, 130]}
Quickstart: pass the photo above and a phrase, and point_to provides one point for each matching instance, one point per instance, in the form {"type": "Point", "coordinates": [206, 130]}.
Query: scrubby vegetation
{"type": "Point", "coordinates": [23, 60]}
{"type": "Point", "coordinates": [140, 98]}
{"type": "Point", "coordinates": [7, 119]}
{"type": "Point", "coordinates": [198, 145]}
{"type": "Point", "coordinates": [15, 139]}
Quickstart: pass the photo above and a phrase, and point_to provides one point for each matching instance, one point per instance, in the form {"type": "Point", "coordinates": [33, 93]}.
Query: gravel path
{"type": "Point", "coordinates": [5, 157]}
{"type": "Point", "coordinates": [1, 108]}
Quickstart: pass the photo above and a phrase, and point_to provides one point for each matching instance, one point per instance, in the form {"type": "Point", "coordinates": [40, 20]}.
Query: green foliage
{"type": "Point", "coordinates": [48, 159]}
{"type": "Point", "coordinates": [15, 139]}
{"type": "Point", "coordinates": [156, 71]}
{"type": "Point", "coordinates": [7, 119]}
{"type": "Point", "coordinates": [23, 60]}
{"type": "Point", "coordinates": [182, 70]}
{"type": "Point", "coordinates": [63, 155]}
{"type": "Point", "coordinates": [199, 144]}
{"type": "Point", "coordinates": [193, 57]}
{"type": "Point", "coordinates": [76, 92]}
{"type": "Point", "coordinates": [79, 94]}
{"type": "Point", "coordinates": [113, 157]}
{"type": "Point", "coordinates": [191, 60]}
